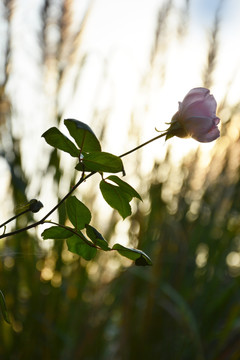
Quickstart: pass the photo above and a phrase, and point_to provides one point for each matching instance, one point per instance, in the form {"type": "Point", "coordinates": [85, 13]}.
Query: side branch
{"type": "Point", "coordinates": [50, 212]}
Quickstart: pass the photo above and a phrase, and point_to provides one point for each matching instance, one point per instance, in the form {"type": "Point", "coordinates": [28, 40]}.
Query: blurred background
{"type": "Point", "coordinates": [121, 67]}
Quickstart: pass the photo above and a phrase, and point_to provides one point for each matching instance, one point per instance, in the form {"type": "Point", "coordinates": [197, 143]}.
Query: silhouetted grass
{"type": "Point", "coordinates": [186, 306]}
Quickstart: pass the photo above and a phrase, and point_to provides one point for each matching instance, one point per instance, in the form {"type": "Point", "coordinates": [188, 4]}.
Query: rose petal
{"type": "Point", "coordinates": [211, 135]}
{"type": "Point", "coordinates": [196, 94]}
{"type": "Point", "coordinates": [197, 126]}
{"type": "Point", "coordinates": [206, 107]}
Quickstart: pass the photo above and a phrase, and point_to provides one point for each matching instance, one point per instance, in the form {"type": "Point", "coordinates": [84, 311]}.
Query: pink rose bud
{"type": "Point", "coordinates": [196, 117]}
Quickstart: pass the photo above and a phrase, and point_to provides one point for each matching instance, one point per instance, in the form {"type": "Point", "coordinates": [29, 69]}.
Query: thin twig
{"type": "Point", "coordinates": [51, 211]}
{"type": "Point", "coordinates": [14, 217]}
{"type": "Point", "coordinates": [146, 143]}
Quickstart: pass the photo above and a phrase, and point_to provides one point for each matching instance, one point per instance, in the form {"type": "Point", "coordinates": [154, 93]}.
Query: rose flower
{"type": "Point", "coordinates": [196, 117]}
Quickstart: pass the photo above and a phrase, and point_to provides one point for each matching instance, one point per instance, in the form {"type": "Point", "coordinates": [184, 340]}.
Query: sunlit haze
{"type": "Point", "coordinates": [119, 76]}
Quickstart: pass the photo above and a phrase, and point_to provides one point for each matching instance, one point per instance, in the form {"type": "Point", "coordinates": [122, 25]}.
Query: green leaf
{"type": "Point", "coordinates": [116, 198]}
{"type": "Point", "coordinates": [78, 213]}
{"type": "Point", "coordinates": [140, 258]}
{"type": "Point", "coordinates": [55, 138]}
{"type": "Point", "coordinates": [56, 232]}
{"type": "Point", "coordinates": [83, 135]}
{"type": "Point", "coordinates": [125, 186]}
{"type": "Point", "coordinates": [81, 246]}
{"type": "Point", "coordinates": [101, 162]}
{"type": "Point", "coordinates": [96, 237]}
{"type": "Point", "coordinates": [3, 308]}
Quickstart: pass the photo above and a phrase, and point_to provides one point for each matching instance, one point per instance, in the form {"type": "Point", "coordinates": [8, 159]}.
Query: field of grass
{"type": "Point", "coordinates": [61, 307]}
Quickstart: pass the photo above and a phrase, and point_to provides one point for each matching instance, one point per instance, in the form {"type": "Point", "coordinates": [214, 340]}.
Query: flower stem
{"type": "Point", "coordinates": [146, 143]}
{"type": "Point", "coordinates": [82, 179]}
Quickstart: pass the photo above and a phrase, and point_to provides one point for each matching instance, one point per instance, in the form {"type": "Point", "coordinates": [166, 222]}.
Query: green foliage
{"type": "Point", "coordinates": [56, 232]}
{"type": "Point", "coordinates": [100, 162]}
{"type": "Point", "coordinates": [55, 138]}
{"type": "Point", "coordinates": [78, 213]}
{"type": "Point", "coordinates": [97, 238]}
{"type": "Point", "coordinates": [118, 196]}
{"type": "Point", "coordinates": [174, 307]}
{"type": "Point", "coordinates": [91, 158]}
{"type": "Point", "coordinates": [115, 191]}
{"type": "Point", "coordinates": [125, 187]}
{"type": "Point", "coordinates": [138, 256]}
{"type": "Point", "coordinates": [83, 135]}
{"type": "Point", "coordinates": [80, 245]}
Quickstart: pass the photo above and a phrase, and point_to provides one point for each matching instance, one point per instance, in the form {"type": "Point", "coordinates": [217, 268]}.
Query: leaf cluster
{"type": "Point", "coordinates": [86, 245]}
{"type": "Point", "coordinates": [116, 192]}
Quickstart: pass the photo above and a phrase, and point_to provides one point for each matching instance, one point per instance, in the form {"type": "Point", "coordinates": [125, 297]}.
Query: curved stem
{"type": "Point", "coordinates": [50, 212]}
{"type": "Point", "coordinates": [82, 179]}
